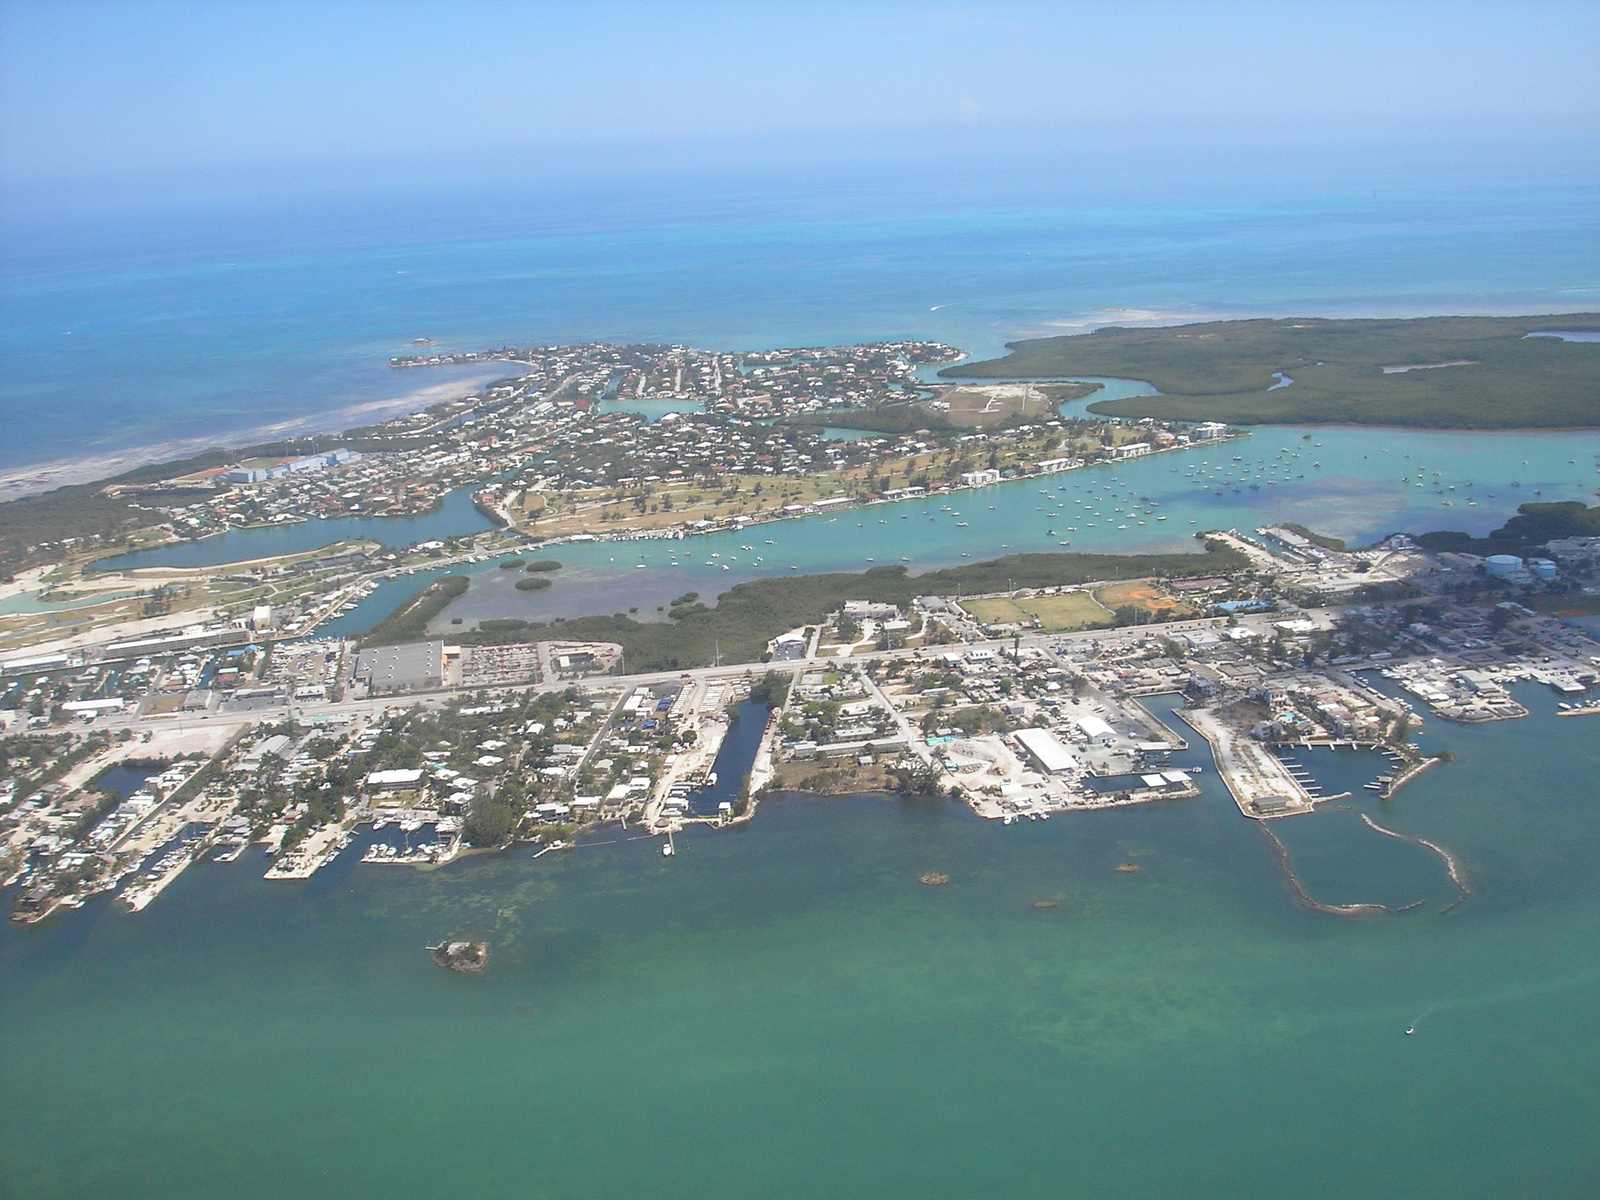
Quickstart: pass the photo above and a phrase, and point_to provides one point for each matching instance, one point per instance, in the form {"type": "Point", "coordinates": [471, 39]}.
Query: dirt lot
{"type": "Point", "coordinates": [835, 777]}
{"type": "Point", "coordinates": [1141, 593]}
{"type": "Point", "coordinates": [976, 407]}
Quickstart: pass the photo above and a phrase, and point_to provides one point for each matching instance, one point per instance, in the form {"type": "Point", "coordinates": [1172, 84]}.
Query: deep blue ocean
{"type": "Point", "coordinates": [155, 328]}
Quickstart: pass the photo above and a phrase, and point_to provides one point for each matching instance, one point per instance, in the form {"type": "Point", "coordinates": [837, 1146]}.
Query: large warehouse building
{"type": "Point", "coordinates": [1043, 745]}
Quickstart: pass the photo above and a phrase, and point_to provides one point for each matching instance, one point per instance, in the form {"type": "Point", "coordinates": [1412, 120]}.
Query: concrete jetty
{"type": "Point", "coordinates": [1261, 784]}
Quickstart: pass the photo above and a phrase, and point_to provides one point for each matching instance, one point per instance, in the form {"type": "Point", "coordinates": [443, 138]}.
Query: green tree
{"type": "Point", "coordinates": [489, 823]}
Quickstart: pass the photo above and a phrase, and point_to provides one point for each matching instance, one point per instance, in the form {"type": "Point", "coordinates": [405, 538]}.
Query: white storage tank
{"type": "Point", "coordinates": [1542, 568]}
{"type": "Point", "coordinates": [1502, 566]}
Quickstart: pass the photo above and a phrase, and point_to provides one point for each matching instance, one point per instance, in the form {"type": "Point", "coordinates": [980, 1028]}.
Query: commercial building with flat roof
{"type": "Point", "coordinates": [415, 666]}
{"type": "Point", "coordinates": [1043, 745]}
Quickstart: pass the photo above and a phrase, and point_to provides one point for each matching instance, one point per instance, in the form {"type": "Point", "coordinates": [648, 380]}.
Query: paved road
{"type": "Point", "coordinates": [698, 675]}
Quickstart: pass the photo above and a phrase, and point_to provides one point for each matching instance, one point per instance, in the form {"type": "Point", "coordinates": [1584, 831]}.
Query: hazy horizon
{"type": "Point", "coordinates": [122, 109]}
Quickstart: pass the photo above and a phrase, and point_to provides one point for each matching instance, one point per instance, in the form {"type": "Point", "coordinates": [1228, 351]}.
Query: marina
{"type": "Point", "coordinates": [1350, 495]}
{"type": "Point", "coordinates": [678, 602]}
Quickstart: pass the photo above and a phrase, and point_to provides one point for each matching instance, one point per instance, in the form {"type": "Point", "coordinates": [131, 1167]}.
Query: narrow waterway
{"type": "Point", "coordinates": [456, 515]}
{"type": "Point", "coordinates": [125, 778]}
{"type": "Point", "coordinates": [734, 759]}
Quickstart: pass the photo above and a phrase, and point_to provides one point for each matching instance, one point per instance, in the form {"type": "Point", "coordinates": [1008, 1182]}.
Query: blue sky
{"type": "Point", "coordinates": [131, 91]}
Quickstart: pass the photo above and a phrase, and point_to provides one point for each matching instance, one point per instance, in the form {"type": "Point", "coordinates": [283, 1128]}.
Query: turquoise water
{"type": "Point", "coordinates": [1340, 860]}
{"type": "Point", "coordinates": [388, 596]}
{"type": "Point", "coordinates": [652, 409]}
{"type": "Point", "coordinates": [29, 602]}
{"type": "Point", "coordinates": [1363, 490]}
{"type": "Point", "coordinates": [201, 325]}
{"type": "Point", "coordinates": [456, 515]}
{"type": "Point", "coordinates": [784, 1011]}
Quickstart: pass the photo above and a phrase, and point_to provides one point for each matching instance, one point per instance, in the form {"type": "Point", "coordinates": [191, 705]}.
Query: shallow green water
{"type": "Point", "coordinates": [786, 1011]}
{"type": "Point", "coordinates": [1357, 484]}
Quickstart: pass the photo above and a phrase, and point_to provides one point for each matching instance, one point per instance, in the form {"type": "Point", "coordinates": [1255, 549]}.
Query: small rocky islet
{"type": "Point", "coordinates": [465, 956]}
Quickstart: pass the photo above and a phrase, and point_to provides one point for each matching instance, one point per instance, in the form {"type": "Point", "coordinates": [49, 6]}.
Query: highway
{"type": "Point", "coordinates": [373, 706]}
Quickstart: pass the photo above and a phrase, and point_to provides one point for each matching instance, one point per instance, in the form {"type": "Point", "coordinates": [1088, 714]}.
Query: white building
{"type": "Point", "coordinates": [400, 779]}
{"type": "Point", "coordinates": [1096, 730]}
{"type": "Point", "coordinates": [788, 647]}
{"type": "Point", "coordinates": [870, 610]}
{"type": "Point", "coordinates": [1131, 450]}
{"type": "Point", "coordinates": [1043, 745]}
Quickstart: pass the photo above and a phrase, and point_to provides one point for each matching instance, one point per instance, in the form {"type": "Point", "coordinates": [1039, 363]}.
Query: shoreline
{"type": "Point", "coordinates": [34, 479]}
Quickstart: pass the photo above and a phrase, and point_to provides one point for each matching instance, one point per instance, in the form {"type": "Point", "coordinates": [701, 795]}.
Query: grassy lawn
{"type": "Point", "coordinates": [1070, 610]}
{"type": "Point", "coordinates": [998, 611]}
{"type": "Point", "coordinates": [1442, 372]}
{"type": "Point", "coordinates": [959, 408]}
{"type": "Point", "coordinates": [1566, 606]}
{"type": "Point", "coordinates": [981, 407]}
